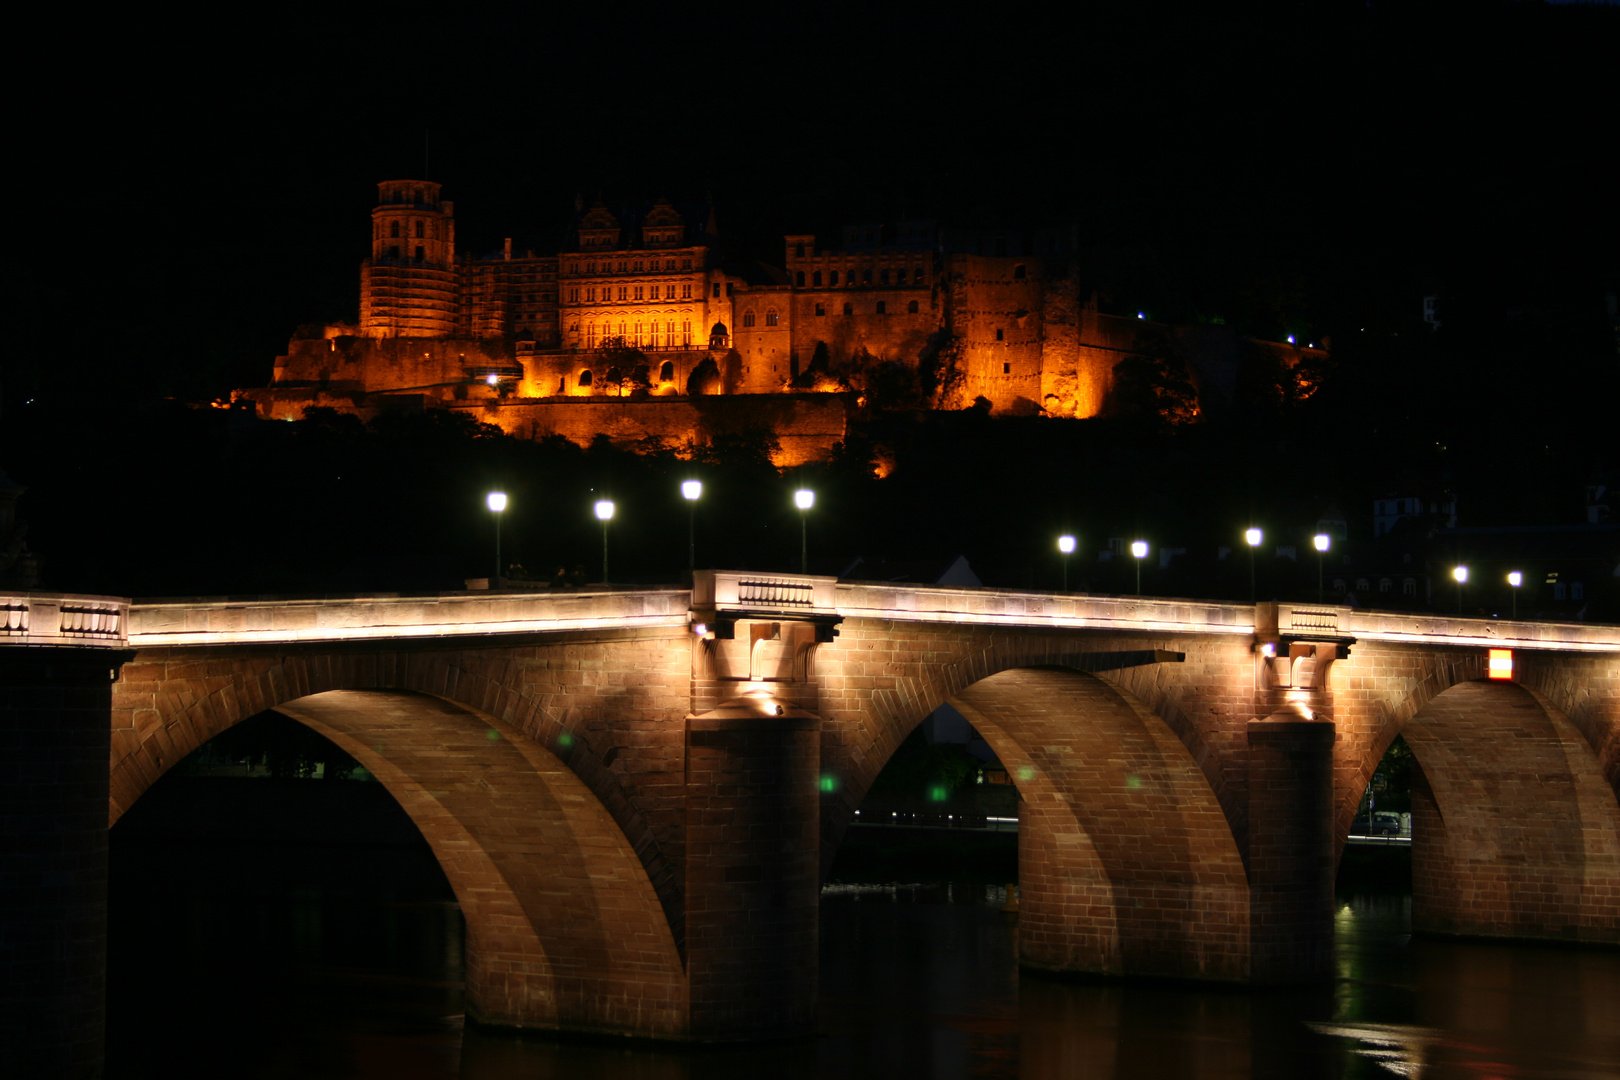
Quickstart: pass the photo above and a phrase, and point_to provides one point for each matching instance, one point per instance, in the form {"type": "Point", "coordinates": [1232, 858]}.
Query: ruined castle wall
{"type": "Point", "coordinates": [995, 308]}
{"type": "Point", "coordinates": [805, 425]}
{"type": "Point", "coordinates": [765, 348]}
{"type": "Point", "coordinates": [558, 374]}
{"type": "Point", "coordinates": [371, 365]}
{"type": "Point", "coordinates": [401, 300]}
{"type": "Point", "coordinates": [898, 334]}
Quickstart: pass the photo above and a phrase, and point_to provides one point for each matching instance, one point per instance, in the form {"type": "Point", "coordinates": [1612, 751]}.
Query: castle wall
{"type": "Point", "coordinates": [997, 315]}
{"type": "Point", "coordinates": [805, 425]}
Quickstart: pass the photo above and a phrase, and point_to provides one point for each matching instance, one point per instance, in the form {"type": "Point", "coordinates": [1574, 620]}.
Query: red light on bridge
{"type": "Point", "coordinates": [1500, 665]}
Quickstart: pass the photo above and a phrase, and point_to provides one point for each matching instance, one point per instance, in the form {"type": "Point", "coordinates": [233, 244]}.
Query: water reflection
{"type": "Point", "coordinates": [259, 968]}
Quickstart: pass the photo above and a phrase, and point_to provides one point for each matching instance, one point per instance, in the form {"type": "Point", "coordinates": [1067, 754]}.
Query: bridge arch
{"type": "Point", "coordinates": [563, 928]}
{"type": "Point", "coordinates": [1126, 862]}
{"type": "Point", "coordinates": [168, 702]}
{"type": "Point", "coordinates": [1515, 829]}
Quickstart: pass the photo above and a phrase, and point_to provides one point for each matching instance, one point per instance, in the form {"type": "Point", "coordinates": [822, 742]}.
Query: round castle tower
{"type": "Point", "coordinates": [408, 286]}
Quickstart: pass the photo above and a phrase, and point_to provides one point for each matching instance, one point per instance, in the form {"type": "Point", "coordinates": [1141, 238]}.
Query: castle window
{"type": "Point", "coordinates": [798, 250]}
{"type": "Point", "coordinates": [585, 378]}
{"type": "Point", "coordinates": [1000, 334]}
{"type": "Point", "coordinates": [748, 318]}
{"type": "Point", "coordinates": [717, 290]}
{"type": "Point", "coordinates": [621, 266]}
{"type": "Point", "coordinates": [731, 288]}
{"type": "Point", "coordinates": [821, 309]}
{"type": "Point", "coordinates": [849, 309]}
{"type": "Point", "coordinates": [654, 293]}
{"type": "Point", "coordinates": [1361, 585]}
{"type": "Point", "coordinates": [1385, 585]}
{"type": "Point", "coordinates": [835, 277]}
{"type": "Point", "coordinates": [770, 318]}
{"type": "Point", "coordinates": [420, 230]}
{"type": "Point", "coordinates": [686, 264]}
{"type": "Point", "coordinates": [686, 291]}
{"type": "Point", "coordinates": [815, 279]}
{"type": "Point", "coordinates": [911, 308]}
{"type": "Point", "coordinates": [882, 307]}
{"type": "Point", "coordinates": [590, 295]}
{"type": "Point", "coordinates": [798, 279]}
{"type": "Point", "coordinates": [917, 275]}
{"type": "Point", "coordinates": [624, 292]}
{"type": "Point", "coordinates": [573, 268]}
{"type": "Point", "coordinates": [393, 228]}
{"type": "Point", "coordinates": [1577, 590]}
{"type": "Point", "coordinates": [637, 266]}
{"type": "Point", "coordinates": [590, 268]}
{"type": "Point", "coordinates": [866, 276]}
{"type": "Point", "coordinates": [393, 251]}
{"type": "Point", "coordinates": [686, 333]}
{"type": "Point", "coordinates": [638, 292]}
{"type": "Point", "coordinates": [1409, 587]}
{"type": "Point", "coordinates": [573, 296]}
{"type": "Point", "coordinates": [669, 329]}
{"type": "Point", "coordinates": [666, 373]}
{"type": "Point", "coordinates": [1018, 272]}
{"type": "Point", "coordinates": [420, 254]}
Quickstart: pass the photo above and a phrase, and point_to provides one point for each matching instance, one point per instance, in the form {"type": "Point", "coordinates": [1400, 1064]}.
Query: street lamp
{"type": "Point", "coordinates": [804, 499]}
{"type": "Point", "coordinates": [1461, 574]}
{"type": "Point", "coordinates": [1321, 541]}
{"type": "Point", "coordinates": [1066, 546]}
{"type": "Point", "coordinates": [691, 491]}
{"type": "Point", "coordinates": [1139, 548]}
{"type": "Point", "coordinates": [496, 501]}
{"type": "Point", "coordinates": [604, 514]}
{"type": "Point", "coordinates": [1253, 536]}
{"type": "Point", "coordinates": [1515, 579]}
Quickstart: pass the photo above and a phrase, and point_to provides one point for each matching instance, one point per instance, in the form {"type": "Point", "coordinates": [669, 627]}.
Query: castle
{"type": "Point", "coordinates": [643, 322]}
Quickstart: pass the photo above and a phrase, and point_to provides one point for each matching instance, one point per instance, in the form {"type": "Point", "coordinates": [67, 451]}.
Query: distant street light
{"type": "Point", "coordinates": [1515, 579]}
{"type": "Point", "coordinates": [1322, 542]}
{"type": "Point", "coordinates": [804, 499]}
{"type": "Point", "coordinates": [691, 491]}
{"type": "Point", "coordinates": [1139, 549]}
{"type": "Point", "coordinates": [496, 501]}
{"type": "Point", "coordinates": [604, 514]}
{"type": "Point", "coordinates": [1461, 574]}
{"type": "Point", "coordinates": [1253, 537]}
{"type": "Point", "coordinates": [1066, 546]}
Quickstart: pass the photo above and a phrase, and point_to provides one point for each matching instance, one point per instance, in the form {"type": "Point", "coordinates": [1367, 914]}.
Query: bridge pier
{"type": "Point", "coordinates": [54, 744]}
{"type": "Point", "coordinates": [752, 870]}
{"type": "Point", "coordinates": [1291, 854]}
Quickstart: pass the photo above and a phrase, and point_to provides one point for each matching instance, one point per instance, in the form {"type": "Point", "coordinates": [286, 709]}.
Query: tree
{"type": "Point", "coordinates": [622, 365]}
{"type": "Point", "coordinates": [1154, 385]}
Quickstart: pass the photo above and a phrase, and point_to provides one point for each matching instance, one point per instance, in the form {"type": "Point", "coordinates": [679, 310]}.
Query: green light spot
{"type": "Point", "coordinates": [938, 793]}
{"type": "Point", "coordinates": [565, 740]}
{"type": "Point", "coordinates": [829, 784]}
{"type": "Point", "coordinates": [1026, 773]}
{"type": "Point", "coordinates": [1133, 782]}
{"type": "Point", "coordinates": [492, 735]}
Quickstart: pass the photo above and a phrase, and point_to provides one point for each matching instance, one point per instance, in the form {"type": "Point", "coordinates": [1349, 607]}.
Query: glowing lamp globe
{"type": "Point", "coordinates": [604, 510]}
{"type": "Point", "coordinates": [496, 501]}
{"type": "Point", "coordinates": [1515, 579]}
{"type": "Point", "coordinates": [1253, 536]}
{"type": "Point", "coordinates": [691, 490]}
{"type": "Point", "coordinates": [1461, 574]}
{"type": "Point", "coordinates": [1321, 541]}
{"type": "Point", "coordinates": [1066, 545]}
{"type": "Point", "coordinates": [804, 498]}
{"type": "Point", "coordinates": [1139, 548]}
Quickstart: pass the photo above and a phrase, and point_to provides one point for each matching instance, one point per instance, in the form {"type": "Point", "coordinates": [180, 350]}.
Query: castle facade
{"type": "Point", "coordinates": [998, 315]}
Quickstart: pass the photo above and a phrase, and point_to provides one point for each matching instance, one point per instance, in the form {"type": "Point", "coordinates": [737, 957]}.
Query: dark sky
{"type": "Point", "coordinates": [190, 190]}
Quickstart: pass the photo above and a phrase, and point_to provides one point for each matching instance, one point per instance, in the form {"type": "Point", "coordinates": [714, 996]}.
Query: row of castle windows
{"type": "Point", "coordinates": [882, 308]}
{"type": "Point", "coordinates": [654, 335]}
{"type": "Point", "coordinates": [770, 318]}
{"type": "Point", "coordinates": [632, 293]}
{"type": "Point", "coordinates": [420, 256]}
{"type": "Point", "coordinates": [393, 230]}
{"type": "Point", "coordinates": [630, 266]}
{"type": "Point", "coordinates": [884, 278]}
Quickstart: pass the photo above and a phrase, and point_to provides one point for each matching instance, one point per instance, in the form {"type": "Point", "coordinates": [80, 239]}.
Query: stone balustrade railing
{"type": "Point", "coordinates": [41, 618]}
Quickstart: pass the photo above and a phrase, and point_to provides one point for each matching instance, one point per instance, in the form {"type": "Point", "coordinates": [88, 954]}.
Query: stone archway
{"type": "Point", "coordinates": [564, 929]}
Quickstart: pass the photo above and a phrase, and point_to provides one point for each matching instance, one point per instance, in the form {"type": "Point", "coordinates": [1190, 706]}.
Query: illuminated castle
{"type": "Point", "coordinates": [998, 314]}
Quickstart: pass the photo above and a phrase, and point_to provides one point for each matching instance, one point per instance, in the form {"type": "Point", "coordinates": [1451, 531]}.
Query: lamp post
{"type": "Point", "coordinates": [604, 514]}
{"type": "Point", "coordinates": [1460, 573]}
{"type": "Point", "coordinates": [1253, 537]}
{"type": "Point", "coordinates": [1139, 548]}
{"type": "Point", "coordinates": [1515, 579]}
{"type": "Point", "coordinates": [691, 491]}
{"type": "Point", "coordinates": [804, 499]}
{"type": "Point", "coordinates": [1066, 546]}
{"type": "Point", "coordinates": [1321, 541]}
{"type": "Point", "coordinates": [496, 501]}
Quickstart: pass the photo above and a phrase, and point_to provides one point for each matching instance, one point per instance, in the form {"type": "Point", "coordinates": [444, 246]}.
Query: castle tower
{"type": "Point", "coordinates": [409, 285]}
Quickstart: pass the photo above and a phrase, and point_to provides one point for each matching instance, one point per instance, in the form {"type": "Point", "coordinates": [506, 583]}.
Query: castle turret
{"type": "Point", "coordinates": [408, 286]}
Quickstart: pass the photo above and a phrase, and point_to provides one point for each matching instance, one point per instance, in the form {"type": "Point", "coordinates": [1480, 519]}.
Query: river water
{"type": "Point", "coordinates": [292, 961]}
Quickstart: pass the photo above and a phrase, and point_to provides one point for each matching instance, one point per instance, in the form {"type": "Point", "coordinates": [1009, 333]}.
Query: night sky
{"type": "Point", "coordinates": [190, 191]}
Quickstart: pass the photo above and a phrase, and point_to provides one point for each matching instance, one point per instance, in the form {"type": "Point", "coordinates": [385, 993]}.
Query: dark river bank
{"type": "Point", "coordinates": [271, 960]}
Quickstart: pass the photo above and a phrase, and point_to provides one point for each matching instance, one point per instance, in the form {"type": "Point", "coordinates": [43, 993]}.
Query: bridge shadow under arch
{"type": "Point", "coordinates": [1127, 865]}
{"type": "Point", "coordinates": [563, 927]}
{"type": "Point", "coordinates": [1515, 829]}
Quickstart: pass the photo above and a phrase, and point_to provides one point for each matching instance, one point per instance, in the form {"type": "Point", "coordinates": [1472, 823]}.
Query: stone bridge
{"type": "Point", "coordinates": [636, 794]}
